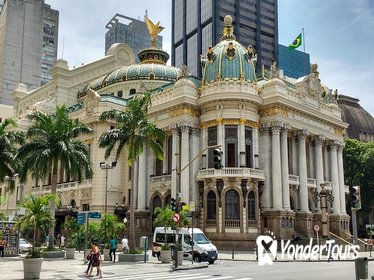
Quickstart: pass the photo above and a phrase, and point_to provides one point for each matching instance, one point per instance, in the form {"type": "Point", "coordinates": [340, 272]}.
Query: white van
{"type": "Point", "coordinates": [203, 249]}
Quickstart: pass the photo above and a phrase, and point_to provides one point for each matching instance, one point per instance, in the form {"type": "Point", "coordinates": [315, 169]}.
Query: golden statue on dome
{"type": "Point", "coordinates": [154, 30]}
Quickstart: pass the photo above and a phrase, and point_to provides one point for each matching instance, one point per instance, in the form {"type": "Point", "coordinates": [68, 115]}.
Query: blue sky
{"type": "Point", "coordinates": [339, 35]}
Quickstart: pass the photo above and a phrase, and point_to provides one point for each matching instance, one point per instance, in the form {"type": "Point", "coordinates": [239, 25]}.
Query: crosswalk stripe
{"type": "Point", "coordinates": [223, 277]}
{"type": "Point", "coordinates": [184, 277]}
{"type": "Point", "coordinates": [243, 279]}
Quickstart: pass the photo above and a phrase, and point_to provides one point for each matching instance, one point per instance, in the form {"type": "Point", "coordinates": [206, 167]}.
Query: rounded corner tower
{"type": "Point", "coordinates": [229, 60]}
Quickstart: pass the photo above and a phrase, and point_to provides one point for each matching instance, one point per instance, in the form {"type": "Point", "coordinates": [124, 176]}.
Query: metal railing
{"type": "Point", "coordinates": [232, 223]}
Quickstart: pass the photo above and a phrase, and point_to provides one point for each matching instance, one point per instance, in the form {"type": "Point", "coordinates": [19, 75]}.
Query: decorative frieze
{"type": "Point", "coordinates": [274, 111]}
{"type": "Point", "coordinates": [218, 121]}
{"type": "Point", "coordinates": [184, 111]}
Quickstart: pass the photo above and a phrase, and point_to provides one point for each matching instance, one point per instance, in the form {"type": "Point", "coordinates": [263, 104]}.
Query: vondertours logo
{"type": "Point", "coordinates": [267, 250]}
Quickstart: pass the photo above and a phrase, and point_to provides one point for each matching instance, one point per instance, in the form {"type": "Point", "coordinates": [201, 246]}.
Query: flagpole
{"type": "Point", "coordinates": [305, 66]}
{"type": "Point", "coordinates": [303, 39]}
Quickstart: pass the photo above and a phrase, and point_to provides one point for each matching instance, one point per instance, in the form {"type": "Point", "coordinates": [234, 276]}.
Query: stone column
{"type": "Point", "coordinates": [318, 140]}
{"type": "Point", "coordinates": [341, 179]}
{"type": "Point", "coordinates": [175, 150]}
{"type": "Point", "coordinates": [335, 177]}
{"type": "Point", "coordinates": [242, 143]}
{"type": "Point", "coordinates": [326, 170]}
{"type": "Point", "coordinates": [185, 159]}
{"type": "Point", "coordinates": [255, 147]}
{"type": "Point", "coordinates": [165, 161]}
{"type": "Point", "coordinates": [195, 133]}
{"type": "Point", "coordinates": [303, 187]}
{"type": "Point", "coordinates": [265, 153]}
{"type": "Point", "coordinates": [285, 171]}
{"type": "Point", "coordinates": [142, 171]}
{"type": "Point", "coordinates": [204, 143]}
{"type": "Point", "coordinates": [276, 166]}
{"type": "Point", "coordinates": [221, 140]}
{"type": "Point", "coordinates": [295, 159]}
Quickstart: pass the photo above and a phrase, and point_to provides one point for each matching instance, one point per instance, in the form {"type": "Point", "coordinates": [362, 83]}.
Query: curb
{"type": "Point", "coordinates": [188, 267]}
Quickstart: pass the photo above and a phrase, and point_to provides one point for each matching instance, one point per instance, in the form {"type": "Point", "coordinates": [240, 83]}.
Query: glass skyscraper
{"type": "Point", "coordinates": [294, 63]}
{"type": "Point", "coordinates": [131, 31]}
{"type": "Point", "coordinates": [198, 24]}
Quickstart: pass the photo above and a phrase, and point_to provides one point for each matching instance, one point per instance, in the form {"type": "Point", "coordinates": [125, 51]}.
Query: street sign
{"type": "Point", "coordinates": [95, 215]}
{"type": "Point", "coordinates": [192, 206]}
{"type": "Point", "coordinates": [316, 227]}
{"type": "Point", "coordinates": [176, 217]}
{"type": "Point", "coordinates": [81, 219]}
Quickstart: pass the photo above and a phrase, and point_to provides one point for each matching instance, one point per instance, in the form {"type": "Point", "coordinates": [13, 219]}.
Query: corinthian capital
{"type": "Point", "coordinates": [319, 139]}
{"type": "Point", "coordinates": [302, 134]}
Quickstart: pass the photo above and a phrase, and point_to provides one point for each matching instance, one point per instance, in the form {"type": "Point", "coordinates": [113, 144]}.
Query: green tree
{"type": "Point", "coordinates": [135, 131]}
{"type": "Point", "coordinates": [358, 159]}
{"type": "Point", "coordinates": [70, 227]}
{"type": "Point", "coordinates": [111, 227]}
{"type": "Point", "coordinates": [9, 139]}
{"type": "Point", "coordinates": [163, 217]}
{"type": "Point", "coordinates": [51, 139]}
{"type": "Point", "coordinates": [38, 215]}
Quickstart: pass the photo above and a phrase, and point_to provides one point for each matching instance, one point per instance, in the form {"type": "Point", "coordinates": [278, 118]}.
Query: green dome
{"type": "Point", "coordinates": [229, 60]}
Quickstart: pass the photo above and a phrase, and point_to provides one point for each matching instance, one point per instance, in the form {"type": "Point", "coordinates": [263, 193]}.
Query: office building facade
{"type": "Point", "coordinates": [197, 24]}
{"type": "Point", "coordinates": [294, 63]}
{"type": "Point", "coordinates": [132, 32]}
{"type": "Point", "coordinates": [28, 45]}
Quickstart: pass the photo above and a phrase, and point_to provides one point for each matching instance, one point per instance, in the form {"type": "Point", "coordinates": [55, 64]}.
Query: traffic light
{"type": "Point", "coordinates": [173, 204]}
{"type": "Point", "coordinates": [355, 197]}
{"type": "Point", "coordinates": [217, 158]}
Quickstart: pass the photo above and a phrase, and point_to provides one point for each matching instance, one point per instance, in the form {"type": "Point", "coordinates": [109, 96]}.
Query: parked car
{"type": "Point", "coordinates": [24, 246]}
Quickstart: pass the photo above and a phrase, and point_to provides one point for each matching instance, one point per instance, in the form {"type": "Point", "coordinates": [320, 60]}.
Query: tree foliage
{"type": "Point", "coordinates": [51, 139]}
{"type": "Point", "coordinates": [358, 160]}
{"type": "Point", "coordinates": [37, 216]}
{"type": "Point", "coordinates": [10, 138]}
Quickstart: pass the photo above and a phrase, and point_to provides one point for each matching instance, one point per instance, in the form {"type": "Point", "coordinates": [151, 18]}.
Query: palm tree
{"type": "Point", "coordinates": [37, 216]}
{"type": "Point", "coordinates": [9, 138]}
{"type": "Point", "coordinates": [134, 130]}
{"type": "Point", "coordinates": [52, 139]}
{"type": "Point", "coordinates": [163, 217]}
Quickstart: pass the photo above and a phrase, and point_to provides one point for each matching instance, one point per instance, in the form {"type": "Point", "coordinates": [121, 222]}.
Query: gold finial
{"type": "Point", "coordinates": [154, 30]}
{"type": "Point", "coordinates": [228, 30]}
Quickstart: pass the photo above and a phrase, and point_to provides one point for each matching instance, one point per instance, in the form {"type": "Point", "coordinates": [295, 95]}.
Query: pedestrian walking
{"type": "Point", "coordinates": [2, 247]}
{"type": "Point", "coordinates": [62, 241]}
{"type": "Point", "coordinates": [113, 247]}
{"type": "Point", "coordinates": [47, 240]}
{"type": "Point", "coordinates": [95, 260]}
{"type": "Point", "coordinates": [125, 244]}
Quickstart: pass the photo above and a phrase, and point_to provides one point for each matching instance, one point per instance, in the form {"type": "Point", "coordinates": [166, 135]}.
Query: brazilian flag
{"type": "Point", "coordinates": [296, 43]}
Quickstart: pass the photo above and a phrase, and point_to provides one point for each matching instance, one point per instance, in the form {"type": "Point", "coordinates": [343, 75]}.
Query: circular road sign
{"type": "Point", "coordinates": [176, 217]}
{"type": "Point", "coordinates": [316, 227]}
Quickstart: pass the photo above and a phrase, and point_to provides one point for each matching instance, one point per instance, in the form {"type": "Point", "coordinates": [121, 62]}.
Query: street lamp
{"type": "Point", "coordinates": [323, 196]}
{"type": "Point", "coordinates": [104, 165]}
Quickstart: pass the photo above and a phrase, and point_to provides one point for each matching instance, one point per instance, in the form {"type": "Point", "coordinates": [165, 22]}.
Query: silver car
{"type": "Point", "coordinates": [24, 245]}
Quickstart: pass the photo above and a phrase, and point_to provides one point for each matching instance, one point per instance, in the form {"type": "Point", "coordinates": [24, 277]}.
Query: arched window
{"type": "Point", "coordinates": [232, 209]}
{"type": "Point", "coordinates": [157, 202]}
{"type": "Point", "coordinates": [167, 200]}
{"type": "Point", "coordinates": [211, 207]}
{"type": "Point", "coordinates": [251, 206]}
{"type": "Point", "coordinates": [120, 93]}
{"type": "Point", "coordinates": [132, 91]}
{"type": "Point", "coordinates": [73, 203]}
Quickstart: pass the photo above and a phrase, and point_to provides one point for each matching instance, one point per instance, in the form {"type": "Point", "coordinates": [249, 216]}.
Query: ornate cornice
{"type": "Point", "coordinates": [274, 111]}
{"type": "Point", "coordinates": [184, 111]}
{"type": "Point", "coordinates": [240, 121]}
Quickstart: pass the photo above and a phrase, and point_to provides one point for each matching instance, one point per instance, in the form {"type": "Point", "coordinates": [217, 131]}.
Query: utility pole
{"type": "Point", "coordinates": [178, 187]}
